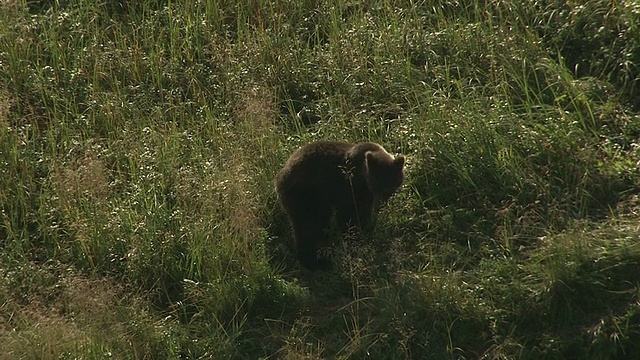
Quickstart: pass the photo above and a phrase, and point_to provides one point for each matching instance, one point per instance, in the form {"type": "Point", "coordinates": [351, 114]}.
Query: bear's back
{"type": "Point", "coordinates": [320, 164]}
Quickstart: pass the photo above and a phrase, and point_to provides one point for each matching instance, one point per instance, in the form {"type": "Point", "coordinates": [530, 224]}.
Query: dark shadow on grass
{"type": "Point", "coordinates": [591, 313]}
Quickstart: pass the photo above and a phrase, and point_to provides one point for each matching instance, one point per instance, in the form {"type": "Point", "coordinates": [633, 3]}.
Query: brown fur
{"type": "Point", "coordinates": [321, 178]}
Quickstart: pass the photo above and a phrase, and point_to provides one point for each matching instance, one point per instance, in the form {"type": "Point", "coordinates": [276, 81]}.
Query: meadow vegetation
{"type": "Point", "coordinates": [139, 143]}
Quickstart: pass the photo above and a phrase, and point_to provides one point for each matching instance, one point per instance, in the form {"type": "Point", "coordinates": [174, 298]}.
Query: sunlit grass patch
{"type": "Point", "coordinates": [139, 142]}
{"type": "Point", "coordinates": [70, 315]}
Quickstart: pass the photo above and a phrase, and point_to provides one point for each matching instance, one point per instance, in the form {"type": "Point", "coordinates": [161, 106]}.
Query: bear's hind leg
{"type": "Point", "coordinates": [310, 225]}
{"type": "Point", "coordinates": [309, 258]}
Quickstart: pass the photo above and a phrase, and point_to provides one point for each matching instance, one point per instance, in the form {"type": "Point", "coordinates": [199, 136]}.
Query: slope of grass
{"type": "Point", "coordinates": [139, 142]}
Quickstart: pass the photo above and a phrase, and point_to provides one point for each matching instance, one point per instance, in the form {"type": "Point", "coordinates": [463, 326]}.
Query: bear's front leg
{"type": "Point", "coordinates": [356, 215]}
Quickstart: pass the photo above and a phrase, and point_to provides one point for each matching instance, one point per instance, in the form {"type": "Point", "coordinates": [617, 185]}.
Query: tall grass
{"type": "Point", "coordinates": [139, 142]}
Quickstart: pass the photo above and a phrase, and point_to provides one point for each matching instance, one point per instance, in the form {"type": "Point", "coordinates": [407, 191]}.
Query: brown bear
{"type": "Point", "coordinates": [324, 177]}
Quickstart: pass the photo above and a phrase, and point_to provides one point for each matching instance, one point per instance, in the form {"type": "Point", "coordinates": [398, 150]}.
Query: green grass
{"type": "Point", "coordinates": [139, 143]}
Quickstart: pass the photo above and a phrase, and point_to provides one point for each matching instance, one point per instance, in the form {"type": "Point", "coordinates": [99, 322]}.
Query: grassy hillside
{"type": "Point", "coordinates": [139, 143]}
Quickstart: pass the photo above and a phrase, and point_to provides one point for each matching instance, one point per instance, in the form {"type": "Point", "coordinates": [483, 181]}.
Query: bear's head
{"type": "Point", "coordinates": [384, 173]}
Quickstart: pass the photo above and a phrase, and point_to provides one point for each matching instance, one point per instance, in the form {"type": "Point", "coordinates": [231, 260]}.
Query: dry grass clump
{"type": "Point", "coordinates": [86, 317]}
{"type": "Point", "coordinates": [86, 180]}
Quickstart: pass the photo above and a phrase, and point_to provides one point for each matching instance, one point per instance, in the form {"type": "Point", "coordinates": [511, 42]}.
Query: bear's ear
{"type": "Point", "coordinates": [399, 161]}
{"type": "Point", "coordinates": [369, 156]}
